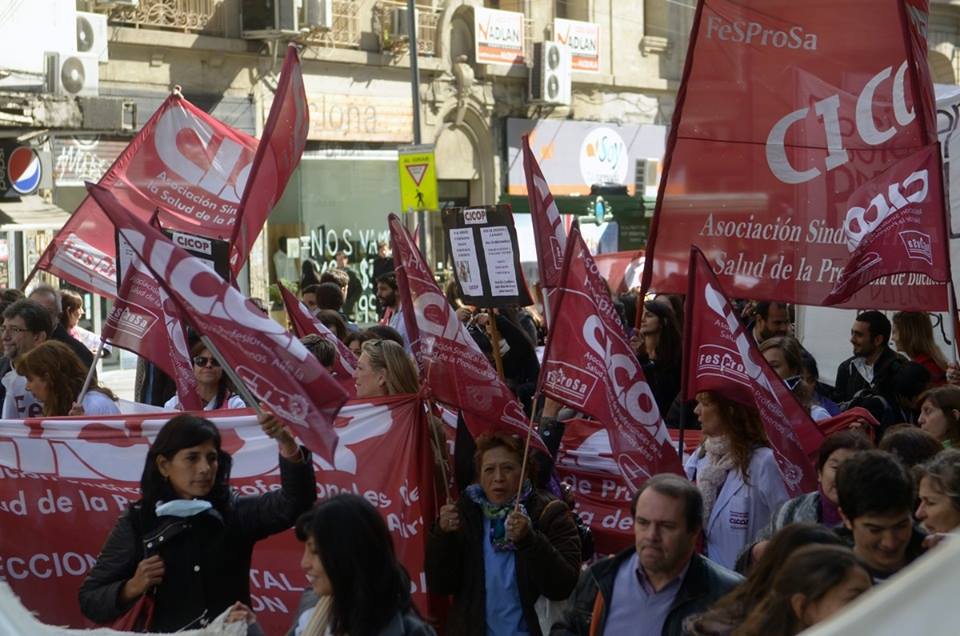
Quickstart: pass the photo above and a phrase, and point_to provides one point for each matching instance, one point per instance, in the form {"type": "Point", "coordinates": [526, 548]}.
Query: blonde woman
{"type": "Point", "coordinates": [385, 368]}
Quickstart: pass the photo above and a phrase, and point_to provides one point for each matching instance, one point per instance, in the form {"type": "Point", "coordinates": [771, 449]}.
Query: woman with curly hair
{"type": "Point", "coordinates": [737, 475]}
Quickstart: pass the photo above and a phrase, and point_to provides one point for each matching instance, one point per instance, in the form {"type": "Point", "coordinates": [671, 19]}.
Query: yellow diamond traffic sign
{"type": "Point", "coordinates": [418, 178]}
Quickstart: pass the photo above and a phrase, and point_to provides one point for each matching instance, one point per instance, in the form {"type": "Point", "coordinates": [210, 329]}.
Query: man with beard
{"type": "Point", "coordinates": [390, 300]}
{"type": "Point", "coordinates": [770, 319]}
{"type": "Point", "coordinates": [649, 589]}
{"type": "Point", "coordinates": [874, 365]}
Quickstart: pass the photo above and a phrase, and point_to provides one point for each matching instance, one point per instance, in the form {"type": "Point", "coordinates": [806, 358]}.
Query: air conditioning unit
{"type": "Point", "coordinates": [397, 22]}
{"type": "Point", "coordinates": [550, 76]}
{"type": "Point", "coordinates": [72, 74]}
{"type": "Point", "coordinates": [318, 14]}
{"type": "Point", "coordinates": [647, 175]}
{"type": "Point", "coordinates": [92, 35]}
{"type": "Point", "coordinates": [268, 19]}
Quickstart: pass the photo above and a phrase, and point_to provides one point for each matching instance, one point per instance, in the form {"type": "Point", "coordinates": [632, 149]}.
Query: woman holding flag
{"type": "Point", "coordinates": [213, 385]}
{"type": "Point", "coordinates": [55, 376]}
{"type": "Point", "coordinates": [737, 475]}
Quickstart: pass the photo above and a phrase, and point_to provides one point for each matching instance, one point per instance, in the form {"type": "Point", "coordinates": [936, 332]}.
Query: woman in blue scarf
{"type": "Point", "coordinates": [496, 558]}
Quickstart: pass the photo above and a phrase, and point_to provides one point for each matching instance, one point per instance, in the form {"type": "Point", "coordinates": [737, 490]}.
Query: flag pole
{"type": "Point", "coordinates": [238, 384]}
{"type": "Point", "coordinates": [685, 347]}
{"type": "Point", "coordinates": [495, 334]}
{"type": "Point", "coordinates": [526, 449]}
{"type": "Point", "coordinates": [91, 371]}
{"type": "Point", "coordinates": [438, 446]}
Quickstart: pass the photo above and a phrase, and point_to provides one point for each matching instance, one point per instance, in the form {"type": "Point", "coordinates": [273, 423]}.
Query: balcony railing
{"type": "Point", "coordinates": [345, 33]}
{"type": "Point", "coordinates": [427, 20]}
{"type": "Point", "coordinates": [190, 16]}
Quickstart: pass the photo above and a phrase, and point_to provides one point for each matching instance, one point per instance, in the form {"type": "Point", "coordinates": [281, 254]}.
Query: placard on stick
{"type": "Point", "coordinates": [482, 242]}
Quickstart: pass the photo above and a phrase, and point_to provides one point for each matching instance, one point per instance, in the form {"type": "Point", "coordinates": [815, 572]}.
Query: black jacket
{"type": "Point", "coordinates": [850, 382]}
{"type": "Point", "coordinates": [206, 557]}
{"type": "Point", "coordinates": [704, 583]}
{"type": "Point", "coordinates": [60, 333]}
{"type": "Point", "coordinates": [548, 562]}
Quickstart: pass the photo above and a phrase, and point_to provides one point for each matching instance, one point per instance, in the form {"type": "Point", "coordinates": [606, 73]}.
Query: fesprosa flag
{"type": "Point", "coordinates": [785, 110]}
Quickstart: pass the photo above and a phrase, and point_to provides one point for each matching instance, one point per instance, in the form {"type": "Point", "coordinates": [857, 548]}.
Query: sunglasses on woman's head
{"type": "Point", "coordinates": [203, 361]}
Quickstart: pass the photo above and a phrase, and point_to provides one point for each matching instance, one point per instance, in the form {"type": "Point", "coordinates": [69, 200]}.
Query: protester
{"type": "Point", "coordinates": [518, 353]}
{"type": "Point", "coordinates": [25, 325]}
{"type": "Point", "coordinates": [815, 583]}
{"type": "Point", "coordinates": [72, 312]}
{"type": "Point", "coordinates": [354, 287]}
{"type": "Point", "coordinates": [822, 392]}
{"type": "Point", "coordinates": [355, 340]}
{"type": "Point", "coordinates": [384, 368]}
{"type": "Point", "coordinates": [383, 332]}
{"type": "Point", "coordinates": [912, 334]}
{"type": "Point", "coordinates": [309, 296]}
{"type": "Point", "coordinates": [496, 558]}
{"type": "Point", "coordinates": [387, 294]}
{"type": "Point", "coordinates": [819, 506]}
{"type": "Point", "coordinates": [308, 274]}
{"type": "Point", "coordinates": [330, 297]}
{"type": "Point", "coordinates": [213, 386]}
{"type": "Point", "coordinates": [731, 611]}
{"type": "Point", "coordinates": [911, 445]}
{"type": "Point", "coordinates": [322, 349]}
{"type": "Point", "coordinates": [189, 539]}
{"type": "Point", "coordinates": [871, 369]}
{"type": "Point", "coordinates": [49, 298]}
{"type": "Point", "coordinates": [382, 264]}
{"type": "Point", "coordinates": [770, 319]}
{"type": "Point", "coordinates": [7, 298]}
{"type": "Point", "coordinates": [333, 321]}
{"type": "Point", "coordinates": [659, 350]}
{"type": "Point", "coordinates": [940, 414]}
{"type": "Point", "coordinates": [876, 497]}
{"type": "Point", "coordinates": [737, 474]}
{"type": "Point", "coordinates": [785, 356]}
{"type": "Point", "coordinates": [652, 587]}
{"type": "Point", "coordinates": [55, 377]}
{"type": "Point", "coordinates": [939, 509]}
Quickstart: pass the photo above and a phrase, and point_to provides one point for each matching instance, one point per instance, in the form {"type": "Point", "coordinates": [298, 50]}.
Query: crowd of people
{"type": "Point", "coordinates": [720, 550]}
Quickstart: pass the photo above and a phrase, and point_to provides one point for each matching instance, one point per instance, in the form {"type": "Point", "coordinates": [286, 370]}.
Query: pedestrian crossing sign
{"type": "Point", "coordinates": [418, 178]}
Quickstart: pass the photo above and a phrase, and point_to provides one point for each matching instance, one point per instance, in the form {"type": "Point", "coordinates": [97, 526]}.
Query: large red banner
{"type": "Point", "coordinates": [189, 167]}
{"type": "Point", "coordinates": [786, 109]}
{"type": "Point", "coordinates": [451, 364]}
{"type": "Point", "coordinates": [589, 366]}
{"type": "Point", "coordinates": [64, 482]}
{"type": "Point", "coordinates": [269, 360]}
{"type": "Point", "coordinates": [304, 323]}
{"type": "Point", "coordinates": [720, 356]}
{"type": "Point", "coordinates": [278, 155]}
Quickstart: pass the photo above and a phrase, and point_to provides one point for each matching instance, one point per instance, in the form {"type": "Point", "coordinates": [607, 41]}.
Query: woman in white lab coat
{"type": "Point", "coordinates": [737, 475]}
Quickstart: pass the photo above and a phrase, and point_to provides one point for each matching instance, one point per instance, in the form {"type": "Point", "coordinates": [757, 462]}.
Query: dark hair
{"type": "Point", "coordinates": [310, 289]}
{"type": "Point", "coordinates": [489, 441]}
{"type": "Point", "coordinates": [909, 381]}
{"type": "Point", "coordinates": [370, 586]}
{"type": "Point", "coordinates": [879, 324]}
{"type": "Point", "coordinates": [35, 316]}
{"type": "Point", "coordinates": [389, 279]}
{"type": "Point", "coordinates": [733, 608]}
{"type": "Point", "coordinates": [55, 364]}
{"type": "Point", "coordinates": [762, 308]}
{"type": "Point", "coordinates": [669, 342]}
{"type": "Point", "coordinates": [384, 332]}
{"type": "Point", "coordinates": [8, 297]}
{"type": "Point", "coordinates": [69, 301]}
{"type": "Point", "coordinates": [225, 387]}
{"type": "Point", "coordinates": [850, 440]}
{"type": "Point", "coordinates": [336, 276]}
{"type": "Point", "coordinates": [811, 571]}
{"type": "Point", "coordinates": [329, 296]}
{"type": "Point", "coordinates": [943, 472]}
{"type": "Point", "coordinates": [183, 431]}
{"type": "Point", "coordinates": [676, 487]}
{"type": "Point", "coordinates": [947, 399]}
{"type": "Point", "coordinates": [323, 349]}
{"type": "Point", "coordinates": [333, 321]}
{"type": "Point", "coordinates": [873, 483]}
{"type": "Point", "coordinates": [359, 336]}
{"type": "Point", "coordinates": [910, 444]}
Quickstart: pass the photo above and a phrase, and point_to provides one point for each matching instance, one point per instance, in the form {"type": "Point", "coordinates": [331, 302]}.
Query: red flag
{"type": "Point", "coordinates": [589, 366]}
{"type": "Point", "coordinates": [145, 321]}
{"type": "Point", "coordinates": [451, 363]}
{"type": "Point", "coordinates": [269, 360]}
{"type": "Point", "coordinates": [278, 154]}
{"type": "Point", "coordinates": [895, 226]}
{"type": "Point", "coordinates": [183, 163]}
{"type": "Point", "coordinates": [304, 323]}
{"type": "Point", "coordinates": [720, 356]}
{"type": "Point", "coordinates": [548, 230]}
{"type": "Point", "coordinates": [785, 109]}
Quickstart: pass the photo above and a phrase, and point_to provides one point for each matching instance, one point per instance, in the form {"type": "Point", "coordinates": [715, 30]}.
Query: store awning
{"type": "Point", "coordinates": [31, 213]}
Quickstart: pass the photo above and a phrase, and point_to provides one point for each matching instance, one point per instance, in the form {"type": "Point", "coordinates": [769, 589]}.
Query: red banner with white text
{"type": "Point", "coordinates": [183, 163]}
{"type": "Point", "coordinates": [305, 323]}
{"type": "Point", "coordinates": [65, 481]}
{"type": "Point", "coordinates": [588, 365]}
{"type": "Point", "coordinates": [548, 231]}
{"type": "Point", "coordinates": [786, 109]}
{"type": "Point", "coordinates": [720, 356]}
{"type": "Point", "coordinates": [451, 363]}
{"type": "Point", "coordinates": [272, 363]}
{"type": "Point", "coordinates": [278, 155]}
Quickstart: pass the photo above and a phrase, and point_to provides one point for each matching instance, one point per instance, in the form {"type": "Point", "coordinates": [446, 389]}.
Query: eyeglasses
{"type": "Point", "coordinates": [5, 329]}
{"type": "Point", "coordinates": [203, 361]}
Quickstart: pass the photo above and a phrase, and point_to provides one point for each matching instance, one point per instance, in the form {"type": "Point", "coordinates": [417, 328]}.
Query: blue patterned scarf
{"type": "Point", "coordinates": [497, 514]}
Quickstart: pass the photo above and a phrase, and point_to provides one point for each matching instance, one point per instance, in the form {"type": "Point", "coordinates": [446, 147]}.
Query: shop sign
{"type": "Point", "coordinates": [583, 40]}
{"type": "Point", "coordinates": [498, 36]}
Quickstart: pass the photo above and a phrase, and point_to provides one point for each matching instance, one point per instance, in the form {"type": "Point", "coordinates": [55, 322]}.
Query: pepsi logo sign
{"type": "Point", "coordinates": [24, 170]}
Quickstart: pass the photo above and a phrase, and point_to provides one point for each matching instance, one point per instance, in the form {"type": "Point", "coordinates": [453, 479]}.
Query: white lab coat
{"type": "Point", "coordinates": [740, 511]}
